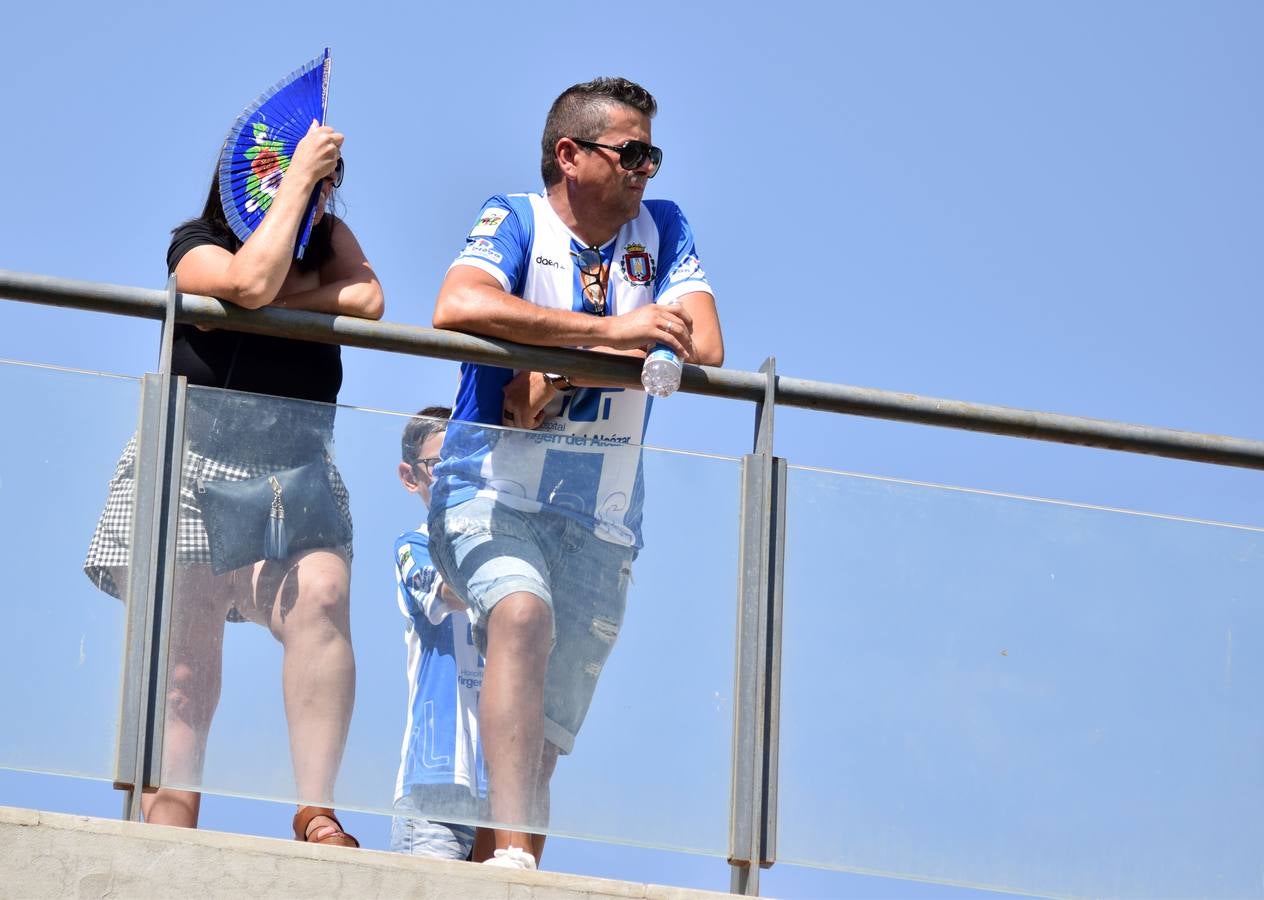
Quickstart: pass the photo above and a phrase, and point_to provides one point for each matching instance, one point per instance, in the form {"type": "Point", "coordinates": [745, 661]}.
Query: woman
{"type": "Point", "coordinates": [303, 598]}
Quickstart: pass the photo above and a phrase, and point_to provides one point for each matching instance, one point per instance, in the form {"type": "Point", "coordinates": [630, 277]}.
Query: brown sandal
{"type": "Point", "coordinates": [303, 823]}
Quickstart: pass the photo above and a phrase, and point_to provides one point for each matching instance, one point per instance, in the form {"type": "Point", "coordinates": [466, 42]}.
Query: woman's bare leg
{"type": "Point", "coordinates": [193, 685]}
{"type": "Point", "coordinates": [310, 615]}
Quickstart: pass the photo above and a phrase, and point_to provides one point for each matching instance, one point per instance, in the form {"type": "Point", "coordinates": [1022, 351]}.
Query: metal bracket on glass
{"type": "Point", "coordinates": [753, 811]}
{"type": "Point", "coordinates": [766, 408]}
{"type": "Point", "coordinates": [151, 572]}
{"type": "Point", "coordinates": [167, 345]}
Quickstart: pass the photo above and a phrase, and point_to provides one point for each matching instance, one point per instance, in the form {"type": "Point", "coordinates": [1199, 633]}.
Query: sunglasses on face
{"type": "Point", "coordinates": [339, 171]}
{"type": "Point", "coordinates": [594, 291]}
{"type": "Point", "coordinates": [632, 154]}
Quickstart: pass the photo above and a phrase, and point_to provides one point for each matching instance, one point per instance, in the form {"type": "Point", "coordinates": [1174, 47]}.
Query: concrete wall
{"type": "Point", "coordinates": [54, 855]}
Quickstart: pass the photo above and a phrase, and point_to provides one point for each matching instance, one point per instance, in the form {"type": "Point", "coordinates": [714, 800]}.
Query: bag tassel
{"type": "Point", "coordinates": [276, 543]}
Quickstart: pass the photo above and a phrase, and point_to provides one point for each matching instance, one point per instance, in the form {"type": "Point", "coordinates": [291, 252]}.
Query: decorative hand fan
{"type": "Point", "coordinates": [260, 145]}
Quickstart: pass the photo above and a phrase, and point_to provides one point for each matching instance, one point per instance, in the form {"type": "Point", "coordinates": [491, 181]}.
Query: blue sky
{"type": "Point", "coordinates": [1050, 206]}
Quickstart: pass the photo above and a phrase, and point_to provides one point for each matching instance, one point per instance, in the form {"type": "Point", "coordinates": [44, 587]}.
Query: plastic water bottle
{"type": "Point", "coordinates": [660, 376]}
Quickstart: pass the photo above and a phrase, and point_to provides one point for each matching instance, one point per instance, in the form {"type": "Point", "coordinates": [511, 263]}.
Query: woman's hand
{"type": "Point", "coordinates": [316, 155]}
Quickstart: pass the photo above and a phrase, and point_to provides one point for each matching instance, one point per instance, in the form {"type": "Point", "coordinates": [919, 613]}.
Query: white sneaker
{"type": "Point", "coordinates": [511, 858]}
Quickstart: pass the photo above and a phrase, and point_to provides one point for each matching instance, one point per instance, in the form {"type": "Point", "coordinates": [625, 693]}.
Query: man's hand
{"type": "Point", "coordinates": [669, 324]}
{"type": "Point", "coordinates": [525, 398]}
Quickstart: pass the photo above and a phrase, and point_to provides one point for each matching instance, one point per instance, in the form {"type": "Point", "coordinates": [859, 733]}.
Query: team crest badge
{"type": "Point", "coordinates": [637, 264]}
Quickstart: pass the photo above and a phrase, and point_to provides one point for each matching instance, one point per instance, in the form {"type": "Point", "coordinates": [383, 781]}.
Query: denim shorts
{"type": "Point", "coordinates": [437, 840]}
{"type": "Point", "coordinates": [486, 551]}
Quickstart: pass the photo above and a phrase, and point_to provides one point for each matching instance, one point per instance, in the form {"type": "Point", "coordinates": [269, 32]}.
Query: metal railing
{"type": "Point", "coordinates": [753, 807]}
{"type": "Point", "coordinates": [732, 384]}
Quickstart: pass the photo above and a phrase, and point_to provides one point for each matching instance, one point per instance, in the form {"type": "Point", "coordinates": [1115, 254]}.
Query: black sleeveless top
{"type": "Point", "coordinates": [250, 429]}
{"type": "Point", "coordinates": [261, 364]}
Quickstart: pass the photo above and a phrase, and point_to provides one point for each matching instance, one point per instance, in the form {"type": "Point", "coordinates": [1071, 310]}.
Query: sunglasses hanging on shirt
{"type": "Point", "coordinates": [591, 281]}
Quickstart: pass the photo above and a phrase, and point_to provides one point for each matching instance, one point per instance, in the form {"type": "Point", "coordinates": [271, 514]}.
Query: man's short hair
{"type": "Point", "coordinates": [428, 421]}
{"type": "Point", "coordinates": [583, 111]}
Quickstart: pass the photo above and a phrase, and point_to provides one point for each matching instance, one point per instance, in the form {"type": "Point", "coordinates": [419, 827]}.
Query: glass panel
{"type": "Point", "coordinates": [61, 647]}
{"type": "Point", "coordinates": [1020, 694]}
{"type": "Point", "coordinates": [663, 696]}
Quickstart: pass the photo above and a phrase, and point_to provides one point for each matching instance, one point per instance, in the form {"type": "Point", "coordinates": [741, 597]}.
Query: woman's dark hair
{"type": "Point", "coordinates": [320, 247]}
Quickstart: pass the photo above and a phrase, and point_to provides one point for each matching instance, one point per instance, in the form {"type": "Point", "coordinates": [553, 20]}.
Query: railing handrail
{"type": "Point", "coordinates": [733, 384]}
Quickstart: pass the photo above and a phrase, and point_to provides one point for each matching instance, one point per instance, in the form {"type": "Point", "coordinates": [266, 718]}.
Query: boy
{"type": "Point", "coordinates": [441, 769]}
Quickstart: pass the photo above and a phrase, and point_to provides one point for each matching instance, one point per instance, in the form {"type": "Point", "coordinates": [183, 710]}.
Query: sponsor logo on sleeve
{"type": "Point", "coordinates": [428, 575]}
{"type": "Point", "coordinates": [637, 264]}
{"type": "Point", "coordinates": [690, 267]}
{"type": "Point", "coordinates": [488, 221]}
{"type": "Point", "coordinates": [422, 580]}
{"type": "Point", "coordinates": [484, 248]}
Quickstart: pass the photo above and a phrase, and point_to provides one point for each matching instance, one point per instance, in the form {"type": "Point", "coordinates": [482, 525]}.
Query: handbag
{"type": "Point", "coordinates": [270, 516]}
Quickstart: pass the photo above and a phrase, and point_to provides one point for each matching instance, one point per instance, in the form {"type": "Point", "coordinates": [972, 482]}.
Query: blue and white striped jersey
{"type": "Point", "coordinates": [584, 459]}
{"type": "Point", "coordinates": [445, 674]}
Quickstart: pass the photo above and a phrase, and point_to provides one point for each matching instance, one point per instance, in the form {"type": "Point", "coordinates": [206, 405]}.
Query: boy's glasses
{"type": "Point", "coordinates": [428, 464]}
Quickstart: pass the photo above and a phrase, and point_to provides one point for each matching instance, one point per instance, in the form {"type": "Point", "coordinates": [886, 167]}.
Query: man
{"type": "Point", "coordinates": [538, 530]}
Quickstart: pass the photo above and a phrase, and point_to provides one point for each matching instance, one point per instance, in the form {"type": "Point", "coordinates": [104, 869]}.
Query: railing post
{"type": "Point", "coordinates": [151, 572]}
{"type": "Point", "coordinates": [757, 676]}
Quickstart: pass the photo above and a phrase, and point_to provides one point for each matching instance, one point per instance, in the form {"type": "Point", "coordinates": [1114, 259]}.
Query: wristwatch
{"type": "Point", "coordinates": [559, 382]}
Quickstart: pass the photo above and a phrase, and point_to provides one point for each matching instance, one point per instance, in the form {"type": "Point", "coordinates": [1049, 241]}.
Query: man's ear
{"type": "Point", "coordinates": [408, 476]}
{"type": "Point", "coordinates": [565, 151]}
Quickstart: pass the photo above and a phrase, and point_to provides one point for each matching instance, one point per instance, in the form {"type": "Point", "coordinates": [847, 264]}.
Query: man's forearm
{"type": "Point", "coordinates": [594, 382]}
{"type": "Point", "coordinates": [489, 311]}
{"type": "Point", "coordinates": [472, 301]}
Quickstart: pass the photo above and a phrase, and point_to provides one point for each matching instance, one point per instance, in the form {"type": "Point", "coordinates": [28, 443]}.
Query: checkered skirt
{"type": "Point", "coordinates": [110, 548]}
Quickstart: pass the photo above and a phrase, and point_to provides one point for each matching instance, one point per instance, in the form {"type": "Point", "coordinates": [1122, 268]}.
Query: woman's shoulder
{"type": "Point", "coordinates": [196, 233]}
